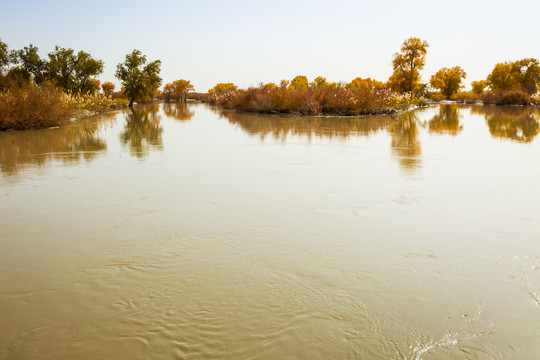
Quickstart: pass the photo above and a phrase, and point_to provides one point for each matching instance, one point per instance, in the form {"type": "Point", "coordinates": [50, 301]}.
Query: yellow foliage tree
{"type": "Point", "coordinates": [299, 82]}
{"type": "Point", "coordinates": [93, 85]}
{"type": "Point", "coordinates": [284, 83]}
{"type": "Point", "coordinates": [368, 83]}
{"type": "Point", "coordinates": [319, 82]}
{"type": "Point", "coordinates": [178, 89]}
{"type": "Point", "coordinates": [501, 77]}
{"type": "Point", "coordinates": [181, 88]}
{"type": "Point", "coordinates": [108, 88]}
{"type": "Point", "coordinates": [448, 81]}
{"type": "Point", "coordinates": [407, 65]}
{"type": "Point", "coordinates": [222, 87]}
{"type": "Point", "coordinates": [479, 86]}
{"type": "Point", "coordinates": [527, 74]}
{"type": "Point", "coordinates": [167, 91]}
{"type": "Point", "coordinates": [522, 74]}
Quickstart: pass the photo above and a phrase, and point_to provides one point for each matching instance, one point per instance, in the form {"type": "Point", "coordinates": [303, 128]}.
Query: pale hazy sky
{"type": "Point", "coordinates": [247, 42]}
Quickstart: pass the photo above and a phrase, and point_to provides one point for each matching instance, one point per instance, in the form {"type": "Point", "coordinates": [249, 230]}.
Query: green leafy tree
{"type": "Point", "coordinates": [139, 79]}
{"type": "Point", "coordinates": [4, 56]}
{"type": "Point", "coordinates": [407, 65]}
{"type": "Point", "coordinates": [448, 81]}
{"type": "Point", "coordinates": [73, 72]}
{"type": "Point", "coordinates": [31, 66]}
{"type": "Point", "coordinates": [299, 82]}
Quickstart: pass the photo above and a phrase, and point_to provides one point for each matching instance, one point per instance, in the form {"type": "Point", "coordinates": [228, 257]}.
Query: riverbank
{"type": "Point", "coordinates": [92, 112]}
{"type": "Point", "coordinates": [511, 97]}
{"type": "Point", "coordinates": [32, 107]}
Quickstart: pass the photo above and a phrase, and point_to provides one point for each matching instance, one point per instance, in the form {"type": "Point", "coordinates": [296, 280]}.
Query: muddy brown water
{"type": "Point", "coordinates": [182, 231]}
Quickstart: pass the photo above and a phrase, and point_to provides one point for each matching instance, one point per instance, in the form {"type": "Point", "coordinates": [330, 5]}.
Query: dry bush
{"type": "Point", "coordinates": [511, 97]}
{"type": "Point", "coordinates": [535, 98]}
{"type": "Point", "coordinates": [29, 107]}
{"type": "Point", "coordinates": [514, 97]}
{"type": "Point", "coordinates": [335, 100]}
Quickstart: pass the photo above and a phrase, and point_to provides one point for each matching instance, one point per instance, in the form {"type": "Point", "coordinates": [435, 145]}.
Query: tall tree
{"type": "Point", "coordinates": [168, 91]}
{"type": "Point", "coordinates": [502, 77]}
{"type": "Point", "coordinates": [448, 81]}
{"type": "Point", "coordinates": [4, 55]}
{"type": "Point", "coordinates": [407, 65]}
{"type": "Point", "coordinates": [527, 74]}
{"type": "Point", "coordinates": [181, 88]}
{"type": "Point", "coordinates": [31, 65]}
{"type": "Point", "coordinates": [139, 79]}
{"type": "Point", "coordinates": [73, 72]}
{"type": "Point", "coordinates": [522, 74]}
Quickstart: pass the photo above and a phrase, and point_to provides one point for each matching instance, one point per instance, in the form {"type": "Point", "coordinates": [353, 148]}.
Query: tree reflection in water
{"type": "Point", "coordinates": [447, 121]}
{"type": "Point", "coordinates": [511, 122]}
{"type": "Point", "coordinates": [179, 111]}
{"type": "Point", "coordinates": [403, 129]}
{"type": "Point", "coordinates": [405, 143]}
{"type": "Point", "coordinates": [78, 141]}
{"type": "Point", "coordinates": [142, 131]}
{"type": "Point", "coordinates": [280, 127]}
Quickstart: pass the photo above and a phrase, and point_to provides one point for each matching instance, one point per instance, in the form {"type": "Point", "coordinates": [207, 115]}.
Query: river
{"type": "Point", "coordinates": [183, 231]}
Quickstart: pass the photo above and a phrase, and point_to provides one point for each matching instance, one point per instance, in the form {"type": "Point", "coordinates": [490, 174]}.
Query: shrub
{"type": "Point", "coordinates": [437, 97]}
{"type": "Point", "coordinates": [335, 100]}
{"type": "Point", "coordinates": [535, 98]}
{"type": "Point", "coordinates": [514, 97]}
{"type": "Point", "coordinates": [29, 107]}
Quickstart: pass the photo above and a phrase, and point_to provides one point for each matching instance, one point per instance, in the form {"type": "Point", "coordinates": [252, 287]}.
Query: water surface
{"type": "Point", "coordinates": [183, 231]}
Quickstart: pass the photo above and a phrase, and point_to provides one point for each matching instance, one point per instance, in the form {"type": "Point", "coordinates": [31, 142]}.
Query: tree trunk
{"type": "Point", "coordinates": [131, 102]}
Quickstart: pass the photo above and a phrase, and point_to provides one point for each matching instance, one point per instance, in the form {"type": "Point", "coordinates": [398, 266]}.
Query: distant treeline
{"type": "Point", "coordinates": [514, 83]}
{"type": "Point", "coordinates": [36, 92]}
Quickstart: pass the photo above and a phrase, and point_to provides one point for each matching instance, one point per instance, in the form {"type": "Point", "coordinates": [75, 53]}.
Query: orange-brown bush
{"type": "Point", "coordinates": [28, 107]}
{"type": "Point", "coordinates": [514, 97]}
{"type": "Point", "coordinates": [335, 100]}
{"type": "Point", "coordinates": [511, 97]}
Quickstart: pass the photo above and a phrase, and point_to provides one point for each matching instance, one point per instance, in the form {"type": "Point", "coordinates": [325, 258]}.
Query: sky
{"type": "Point", "coordinates": [248, 42]}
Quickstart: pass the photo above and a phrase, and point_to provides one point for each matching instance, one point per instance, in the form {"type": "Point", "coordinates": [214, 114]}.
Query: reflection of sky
{"type": "Point", "coordinates": [250, 41]}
